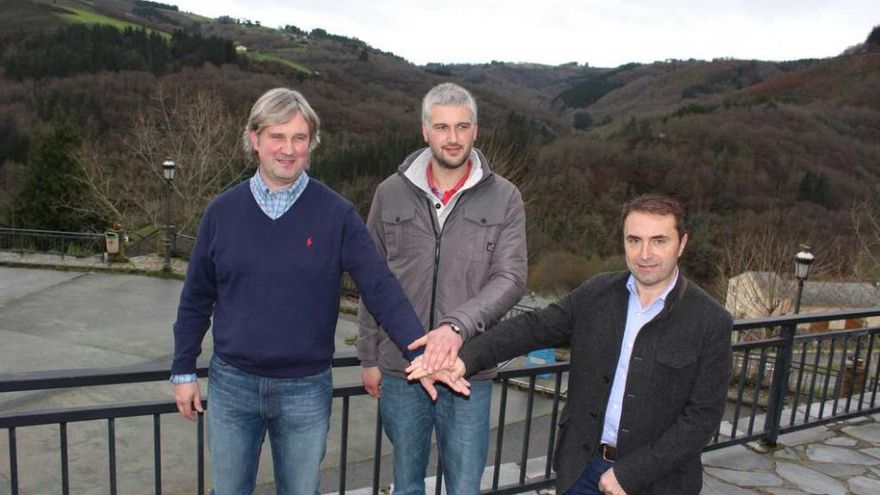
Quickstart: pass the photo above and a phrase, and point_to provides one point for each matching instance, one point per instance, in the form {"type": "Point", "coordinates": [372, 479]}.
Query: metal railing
{"type": "Point", "coordinates": [148, 244]}
{"type": "Point", "coordinates": [792, 381]}
{"type": "Point", "coordinates": [81, 244]}
{"type": "Point", "coordinates": [76, 244]}
{"type": "Point", "coordinates": [780, 384]}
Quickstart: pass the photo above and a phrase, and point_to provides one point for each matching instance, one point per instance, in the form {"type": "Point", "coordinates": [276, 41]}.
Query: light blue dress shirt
{"type": "Point", "coordinates": [276, 203]}
{"type": "Point", "coordinates": [636, 318]}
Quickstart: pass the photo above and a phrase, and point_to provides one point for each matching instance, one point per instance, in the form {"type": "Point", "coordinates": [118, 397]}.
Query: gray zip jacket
{"type": "Point", "coordinates": [468, 270]}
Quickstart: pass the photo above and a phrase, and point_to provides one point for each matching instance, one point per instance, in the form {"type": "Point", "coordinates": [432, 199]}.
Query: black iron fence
{"type": "Point", "coordinates": [154, 242]}
{"type": "Point", "coordinates": [76, 244]}
{"type": "Point", "coordinates": [83, 244]}
{"type": "Point", "coordinates": [792, 380]}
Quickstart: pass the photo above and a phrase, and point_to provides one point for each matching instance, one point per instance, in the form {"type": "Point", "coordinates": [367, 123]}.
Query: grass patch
{"type": "Point", "coordinates": [266, 57]}
{"type": "Point", "coordinates": [87, 17]}
{"type": "Point", "coordinates": [292, 49]}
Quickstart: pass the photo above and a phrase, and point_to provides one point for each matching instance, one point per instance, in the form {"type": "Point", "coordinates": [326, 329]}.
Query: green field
{"type": "Point", "coordinates": [265, 57]}
{"type": "Point", "coordinates": [293, 49]}
{"type": "Point", "coordinates": [87, 17]}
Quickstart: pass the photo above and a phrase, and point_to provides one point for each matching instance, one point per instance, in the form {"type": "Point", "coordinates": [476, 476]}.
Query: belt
{"type": "Point", "coordinates": [608, 452]}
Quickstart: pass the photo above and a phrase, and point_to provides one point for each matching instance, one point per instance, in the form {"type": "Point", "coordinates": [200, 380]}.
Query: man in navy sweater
{"type": "Point", "coordinates": [266, 267]}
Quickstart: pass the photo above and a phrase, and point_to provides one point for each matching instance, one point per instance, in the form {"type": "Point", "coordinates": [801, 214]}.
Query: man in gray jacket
{"type": "Point", "coordinates": [454, 234]}
{"type": "Point", "coordinates": [650, 364]}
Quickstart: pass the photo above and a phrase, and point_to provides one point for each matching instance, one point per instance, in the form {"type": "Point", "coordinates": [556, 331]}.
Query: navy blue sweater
{"type": "Point", "coordinates": [273, 286]}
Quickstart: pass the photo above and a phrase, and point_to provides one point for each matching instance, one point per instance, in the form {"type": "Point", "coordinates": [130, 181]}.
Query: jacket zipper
{"type": "Point", "coordinates": [437, 238]}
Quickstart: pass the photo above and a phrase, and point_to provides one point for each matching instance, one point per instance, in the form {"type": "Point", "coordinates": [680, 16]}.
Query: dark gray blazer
{"type": "Point", "coordinates": [676, 386]}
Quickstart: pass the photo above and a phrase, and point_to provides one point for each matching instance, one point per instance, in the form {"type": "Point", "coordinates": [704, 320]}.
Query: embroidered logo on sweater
{"type": "Point", "coordinates": [309, 242]}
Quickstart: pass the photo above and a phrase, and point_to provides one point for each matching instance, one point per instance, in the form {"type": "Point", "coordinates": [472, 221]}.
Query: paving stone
{"type": "Point", "coordinates": [874, 451]}
{"type": "Point", "coordinates": [508, 474]}
{"type": "Point", "coordinates": [824, 453]}
{"type": "Point", "coordinates": [810, 435]}
{"type": "Point", "coordinates": [711, 486]}
{"type": "Point", "coordinates": [875, 470]}
{"type": "Point", "coordinates": [726, 429]}
{"type": "Point", "coordinates": [868, 432]}
{"type": "Point", "coordinates": [745, 479]}
{"type": "Point", "coordinates": [785, 491]}
{"type": "Point", "coordinates": [864, 486]}
{"type": "Point", "coordinates": [787, 453]}
{"type": "Point", "coordinates": [810, 480]}
{"type": "Point", "coordinates": [841, 441]}
{"type": "Point", "coordinates": [536, 467]}
{"type": "Point", "coordinates": [737, 457]}
{"type": "Point", "coordinates": [838, 470]}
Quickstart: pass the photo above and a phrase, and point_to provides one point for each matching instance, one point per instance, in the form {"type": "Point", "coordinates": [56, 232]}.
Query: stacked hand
{"type": "Point", "coordinates": [439, 363]}
{"type": "Point", "coordinates": [453, 377]}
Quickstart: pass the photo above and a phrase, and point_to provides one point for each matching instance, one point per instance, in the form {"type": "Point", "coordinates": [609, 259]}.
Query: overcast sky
{"type": "Point", "coordinates": [602, 33]}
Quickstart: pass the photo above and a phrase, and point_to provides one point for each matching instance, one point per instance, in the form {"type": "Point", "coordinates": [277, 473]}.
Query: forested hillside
{"type": "Point", "coordinates": [94, 96]}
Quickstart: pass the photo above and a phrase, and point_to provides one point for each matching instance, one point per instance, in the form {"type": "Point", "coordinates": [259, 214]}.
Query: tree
{"type": "Point", "coordinates": [582, 121]}
{"type": "Point", "coordinates": [866, 225]}
{"type": "Point", "coordinates": [196, 131]}
{"type": "Point", "coordinates": [874, 38]}
{"type": "Point", "coordinates": [48, 191]}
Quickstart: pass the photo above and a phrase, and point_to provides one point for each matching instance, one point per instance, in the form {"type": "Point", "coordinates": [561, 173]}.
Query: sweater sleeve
{"type": "Point", "coordinates": [368, 330]}
{"type": "Point", "coordinates": [381, 293]}
{"type": "Point", "coordinates": [196, 302]}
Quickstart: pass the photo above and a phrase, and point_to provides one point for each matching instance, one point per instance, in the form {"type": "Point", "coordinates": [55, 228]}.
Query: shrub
{"type": "Point", "coordinates": [561, 271]}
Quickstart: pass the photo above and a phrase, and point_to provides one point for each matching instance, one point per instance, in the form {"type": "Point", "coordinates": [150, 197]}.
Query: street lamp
{"type": "Point", "coordinates": [168, 169]}
{"type": "Point", "coordinates": [802, 262]}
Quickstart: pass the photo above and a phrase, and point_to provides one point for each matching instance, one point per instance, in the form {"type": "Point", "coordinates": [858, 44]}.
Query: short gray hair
{"type": "Point", "coordinates": [277, 106]}
{"type": "Point", "coordinates": [448, 94]}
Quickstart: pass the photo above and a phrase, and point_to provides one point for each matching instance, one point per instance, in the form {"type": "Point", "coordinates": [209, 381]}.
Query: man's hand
{"type": "Point", "coordinates": [372, 378]}
{"type": "Point", "coordinates": [453, 377]}
{"type": "Point", "coordinates": [608, 484]}
{"type": "Point", "coordinates": [441, 348]}
{"type": "Point", "coordinates": [188, 399]}
{"type": "Point", "coordinates": [417, 371]}
{"type": "Point", "coordinates": [459, 385]}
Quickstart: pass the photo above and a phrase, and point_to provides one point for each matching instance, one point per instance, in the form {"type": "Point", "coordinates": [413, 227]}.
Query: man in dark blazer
{"type": "Point", "coordinates": [650, 364]}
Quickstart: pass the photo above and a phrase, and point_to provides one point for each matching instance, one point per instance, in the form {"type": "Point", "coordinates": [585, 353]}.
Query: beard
{"type": "Point", "coordinates": [448, 164]}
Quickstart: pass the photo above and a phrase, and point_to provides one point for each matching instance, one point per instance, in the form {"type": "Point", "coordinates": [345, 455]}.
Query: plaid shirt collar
{"type": "Point", "coordinates": [276, 203]}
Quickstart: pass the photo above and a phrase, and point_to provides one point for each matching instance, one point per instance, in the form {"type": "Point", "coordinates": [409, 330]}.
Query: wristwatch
{"type": "Point", "coordinates": [455, 328]}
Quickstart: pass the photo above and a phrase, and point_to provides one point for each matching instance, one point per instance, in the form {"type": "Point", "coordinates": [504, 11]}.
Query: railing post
{"type": "Point", "coordinates": [779, 387]}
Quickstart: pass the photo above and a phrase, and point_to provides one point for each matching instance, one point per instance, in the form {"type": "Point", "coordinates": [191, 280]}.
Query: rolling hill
{"type": "Point", "coordinates": [742, 142]}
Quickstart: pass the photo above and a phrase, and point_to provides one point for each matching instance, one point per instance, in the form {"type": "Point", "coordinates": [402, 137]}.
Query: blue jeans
{"type": "Point", "coordinates": [588, 482]}
{"type": "Point", "coordinates": [462, 424]}
{"type": "Point", "coordinates": [243, 407]}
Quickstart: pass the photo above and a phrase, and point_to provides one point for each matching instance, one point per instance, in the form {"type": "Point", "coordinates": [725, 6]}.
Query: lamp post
{"type": "Point", "coordinates": [168, 169]}
{"type": "Point", "coordinates": [802, 262]}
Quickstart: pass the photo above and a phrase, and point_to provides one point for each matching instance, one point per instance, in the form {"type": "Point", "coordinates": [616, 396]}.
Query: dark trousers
{"type": "Point", "coordinates": [588, 482]}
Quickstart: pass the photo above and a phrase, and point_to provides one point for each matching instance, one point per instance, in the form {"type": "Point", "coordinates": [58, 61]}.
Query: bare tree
{"type": "Point", "coordinates": [196, 131]}
{"type": "Point", "coordinates": [866, 225]}
{"type": "Point", "coordinates": [757, 264]}
{"type": "Point", "coordinates": [104, 186]}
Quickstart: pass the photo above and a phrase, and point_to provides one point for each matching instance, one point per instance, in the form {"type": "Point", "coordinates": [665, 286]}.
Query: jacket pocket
{"type": "Point", "coordinates": [674, 374]}
{"type": "Point", "coordinates": [479, 234]}
{"type": "Point", "coordinates": [676, 359]}
{"type": "Point", "coordinates": [398, 224]}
